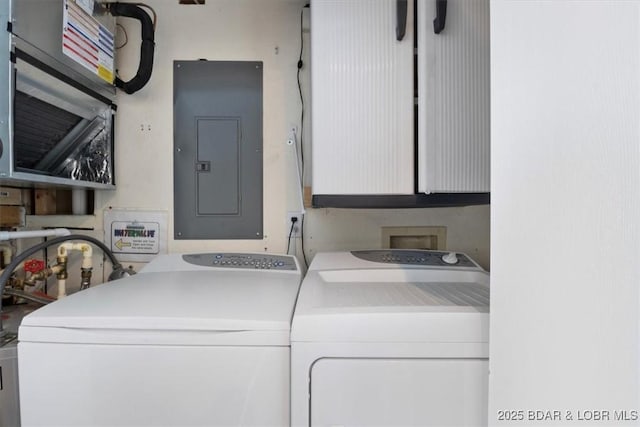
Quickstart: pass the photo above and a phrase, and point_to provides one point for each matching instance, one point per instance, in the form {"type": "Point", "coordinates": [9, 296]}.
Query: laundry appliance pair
{"type": "Point", "coordinates": [383, 337]}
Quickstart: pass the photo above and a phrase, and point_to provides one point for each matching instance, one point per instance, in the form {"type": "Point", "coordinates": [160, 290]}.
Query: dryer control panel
{"type": "Point", "coordinates": [237, 260]}
{"type": "Point", "coordinates": [416, 257]}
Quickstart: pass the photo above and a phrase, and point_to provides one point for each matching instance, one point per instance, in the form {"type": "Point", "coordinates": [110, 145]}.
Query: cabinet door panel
{"type": "Point", "coordinates": [362, 98]}
{"type": "Point", "coordinates": [453, 92]}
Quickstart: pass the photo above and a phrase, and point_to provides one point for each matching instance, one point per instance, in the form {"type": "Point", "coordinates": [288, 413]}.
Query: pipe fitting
{"type": "Point", "coordinates": [4, 276]}
{"type": "Point", "coordinates": [85, 248]}
{"type": "Point", "coordinates": [86, 278]}
{"type": "Point", "coordinates": [61, 267]}
{"type": "Point", "coordinates": [87, 255]}
{"type": "Point", "coordinates": [34, 277]}
{"type": "Point", "coordinates": [87, 265]}
{"type": "Point", "coordinates": [58, 269]}
{"type": "Point", "coordinates": [15, 283]}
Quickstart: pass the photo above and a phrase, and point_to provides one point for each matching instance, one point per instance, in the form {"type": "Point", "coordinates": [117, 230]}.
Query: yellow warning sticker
{"type": "Point", "coordinates": [105, 74]}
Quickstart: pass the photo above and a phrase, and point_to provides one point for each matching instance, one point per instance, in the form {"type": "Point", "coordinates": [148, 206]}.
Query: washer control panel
{"type": "Point", "coordinates": [248, 261]}
{"type": "Point", "coordinates": [416, 257]}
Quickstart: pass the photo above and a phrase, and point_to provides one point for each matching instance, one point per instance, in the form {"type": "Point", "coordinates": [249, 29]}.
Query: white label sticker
{"type": "Point", "coordinates": [136, 236]}
{"type": "Point", "coordinates": [86, 5]}
{"type": "Point", "coordinates": [86, 41]}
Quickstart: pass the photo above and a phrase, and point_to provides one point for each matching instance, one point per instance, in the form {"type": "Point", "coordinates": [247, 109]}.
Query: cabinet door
{"type": "Point", "coordinates": [362, 98]}
{"type": "Point", "coordinates": [453, 97]}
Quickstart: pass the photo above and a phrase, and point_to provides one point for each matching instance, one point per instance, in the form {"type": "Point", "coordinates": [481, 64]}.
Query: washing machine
{"type": "Point", "coordinates": [197, 339]}
{"type": "Point", "coordinates": [391, 338]}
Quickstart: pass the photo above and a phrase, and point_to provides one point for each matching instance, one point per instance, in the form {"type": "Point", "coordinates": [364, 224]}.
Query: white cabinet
{"type": "Point", "coordinates": [454, 98]}
{"type": "Point", "coordinates": [361, 98]}
{"type": "Point", "coordinates": [371, 135]}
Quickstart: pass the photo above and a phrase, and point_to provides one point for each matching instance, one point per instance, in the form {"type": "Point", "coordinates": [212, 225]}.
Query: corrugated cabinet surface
{"type": "Point", "coordinates": [362, 98]}
{"type": "Point", "coordinates": [453, 98]}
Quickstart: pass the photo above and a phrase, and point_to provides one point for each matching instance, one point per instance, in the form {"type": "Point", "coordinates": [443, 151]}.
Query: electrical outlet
{"type": "Point", "coordinates": [297, 226]}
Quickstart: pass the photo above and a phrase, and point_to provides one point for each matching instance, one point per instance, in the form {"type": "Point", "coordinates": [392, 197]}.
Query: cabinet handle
{"type": "Point", "coordinates": [441, 16]}
{"type": "Point", "coordinates": [401, 15]}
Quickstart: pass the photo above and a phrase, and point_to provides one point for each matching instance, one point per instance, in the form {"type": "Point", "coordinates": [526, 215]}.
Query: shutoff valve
{"type": "Point", "coordinates": [33, 265]}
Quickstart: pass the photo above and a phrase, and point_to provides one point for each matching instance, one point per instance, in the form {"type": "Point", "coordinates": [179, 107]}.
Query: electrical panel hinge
{"type": "Point", "coordinates": [10, 27]}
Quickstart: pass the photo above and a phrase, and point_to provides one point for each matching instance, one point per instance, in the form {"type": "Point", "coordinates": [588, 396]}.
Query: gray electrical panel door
{"type": "Point", "coordinates": [217, 161]}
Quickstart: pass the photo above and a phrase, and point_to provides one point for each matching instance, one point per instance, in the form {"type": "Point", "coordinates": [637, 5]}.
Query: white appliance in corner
{"type": "Point", "coordinates": [199, 339]}
{"type": "Point", "coordinates": [9, 405]}
{"type": "Point", "coordinates": [391, 337]}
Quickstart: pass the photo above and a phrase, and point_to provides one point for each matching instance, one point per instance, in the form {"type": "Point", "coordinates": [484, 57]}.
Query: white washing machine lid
{"type": "Point", "coordinates": [217, 306]}
{"type": "Point", "coordinates": [388, 303]}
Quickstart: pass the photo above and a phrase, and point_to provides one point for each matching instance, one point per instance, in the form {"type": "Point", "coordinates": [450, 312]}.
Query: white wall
{"type": "Point", "coordinates": [340, 229]}
{"type": "Point", "coordinates": [219, 30]}
{"type": "Point", "coordinates": [266, 30]}
{"type": "Point", "coordinates": [565, 207]}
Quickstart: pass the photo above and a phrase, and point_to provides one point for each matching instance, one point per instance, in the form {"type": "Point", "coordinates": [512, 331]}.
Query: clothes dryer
{"type": "Point", "coordinates": [389, 338]}
{"type": "Point", "coordinates": [200, 339]}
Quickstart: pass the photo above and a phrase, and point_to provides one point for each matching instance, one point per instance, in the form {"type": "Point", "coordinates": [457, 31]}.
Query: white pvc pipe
{"type": "Point", "coordinates": [7, 252]}
{"type": "Point", "coordinates": [57, 232]}
{"type": "Point", "coordinates": [79, 201]}
{"type": "Point", "coordinates": [85, 248]}
{"type": "Point", "coordinates": [62, 288]}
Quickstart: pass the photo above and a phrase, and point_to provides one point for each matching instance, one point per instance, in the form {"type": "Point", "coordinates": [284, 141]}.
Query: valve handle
{"type": "Point", "coordinates": [34, 265]}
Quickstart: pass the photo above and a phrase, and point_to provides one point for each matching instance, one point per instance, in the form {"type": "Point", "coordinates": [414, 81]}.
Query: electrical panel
{"type": "Point", "coordinates": [217, 150]}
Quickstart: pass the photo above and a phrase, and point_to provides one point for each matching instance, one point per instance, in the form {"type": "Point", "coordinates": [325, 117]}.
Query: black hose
{"type": "Point", "coordinates": [4, 277]}
{"type": "Point", "coordinates": [146, 48]}
{"type": "Point", "coordinates": [28, 296]}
